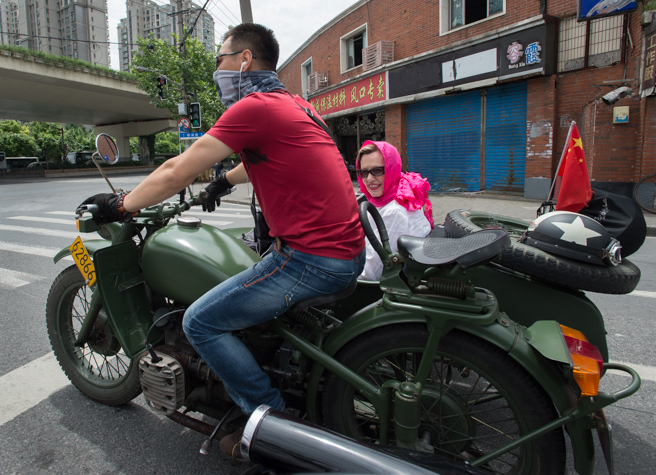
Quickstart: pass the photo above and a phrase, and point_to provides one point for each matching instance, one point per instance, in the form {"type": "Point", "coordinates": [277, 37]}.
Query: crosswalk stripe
{"type": "Point", "coordinates": [643, 293]}
{"type": "Point", "coordinates": [40, 231]}
{"type": "Point", "coordinates": [646, 372]}
{"type": "Point", "coordinates": [45, 220]}
{"type": "Point", "coordinates": [11, 279]}
{"type": "Point", "coordinates": [67, 213]}
{"type": "Point", "coordinates": [216, 223]}
{"type": "Point", "coordinates": [211, 216]}
{"type": "Point", "coordinates": [25, 387]}
{"type": "Point", "coordinates": [32, 250]}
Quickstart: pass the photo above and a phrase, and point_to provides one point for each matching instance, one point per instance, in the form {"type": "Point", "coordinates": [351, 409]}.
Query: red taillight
{"type": "Point", "coordinates": [588, 363]}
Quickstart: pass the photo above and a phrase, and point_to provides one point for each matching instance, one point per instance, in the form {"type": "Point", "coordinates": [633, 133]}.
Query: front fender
{"type": "Point", "coordinates": [507, 335]}
{"type": "Point", "coordinates": [91, 245]}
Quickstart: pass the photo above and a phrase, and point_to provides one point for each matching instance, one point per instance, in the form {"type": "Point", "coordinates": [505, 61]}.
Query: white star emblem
{"type": "Point", "coordinates": [576, 232]}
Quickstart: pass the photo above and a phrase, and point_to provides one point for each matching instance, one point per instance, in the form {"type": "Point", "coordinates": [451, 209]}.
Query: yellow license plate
{"type": "Point", "coordinates": [83, 261]}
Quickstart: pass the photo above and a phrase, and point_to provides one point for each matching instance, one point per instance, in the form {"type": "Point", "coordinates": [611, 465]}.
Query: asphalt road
{"type": "Point", "coordinates": [48, 427]}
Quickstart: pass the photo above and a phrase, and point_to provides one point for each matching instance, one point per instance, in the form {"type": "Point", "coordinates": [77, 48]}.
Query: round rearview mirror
{"type": "Point", "coordinates": [107, 148]}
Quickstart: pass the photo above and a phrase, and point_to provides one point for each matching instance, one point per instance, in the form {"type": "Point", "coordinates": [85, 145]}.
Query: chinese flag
{"type": "Point", "coordinates": [575, 191]}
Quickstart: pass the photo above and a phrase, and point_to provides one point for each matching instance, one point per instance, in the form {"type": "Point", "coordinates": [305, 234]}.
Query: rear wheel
{"type": "Point", "coordinates": [476, 400]}
{"type": "Point", "coordinates": [100, 369]}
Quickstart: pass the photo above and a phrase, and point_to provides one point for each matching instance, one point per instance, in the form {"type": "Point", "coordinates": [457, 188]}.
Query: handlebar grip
{"type": "Point", "coordinates": [86, 209]}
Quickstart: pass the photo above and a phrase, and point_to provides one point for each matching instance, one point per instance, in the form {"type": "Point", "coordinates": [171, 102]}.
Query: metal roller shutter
{"type": "Point", "coordinates": [505, 137]}
{"type": "Point", "coordinates": [444, 141]}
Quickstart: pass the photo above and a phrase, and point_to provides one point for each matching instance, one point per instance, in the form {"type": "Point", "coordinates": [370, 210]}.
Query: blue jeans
{"type": "Point", "coordinates": [259, 294]}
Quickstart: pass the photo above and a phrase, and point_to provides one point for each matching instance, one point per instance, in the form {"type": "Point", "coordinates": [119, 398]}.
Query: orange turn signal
{"type": "Point", "coordinates": [586, 374]}
{"type": "Point", "coordinates": [587, 361]}
{"type": "Point", "coordinates": [77, 224]}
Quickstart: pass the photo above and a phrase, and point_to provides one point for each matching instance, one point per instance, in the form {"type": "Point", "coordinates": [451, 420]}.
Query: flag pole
{"type": "Point", "coordinates": [569, 137]}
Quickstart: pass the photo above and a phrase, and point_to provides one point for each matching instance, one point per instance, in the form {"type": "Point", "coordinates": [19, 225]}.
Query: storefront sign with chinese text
{"type": "Point", "coordinates": [649, 73]}
{"type": "Point", "coordinates": [520, 56]}
{"type": "Point", "coordinates": [365, 91]}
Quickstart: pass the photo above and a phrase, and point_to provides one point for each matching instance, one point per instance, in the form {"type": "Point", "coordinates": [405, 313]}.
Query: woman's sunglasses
{"type": "Point", "coordinates": [376, 171]}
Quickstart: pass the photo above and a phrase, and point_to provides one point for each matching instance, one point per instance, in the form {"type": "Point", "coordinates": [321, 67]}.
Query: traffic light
{"type": "Point", "coordinates": [161, 82]}
{"type": "Point", "coordinates": [194, 115]}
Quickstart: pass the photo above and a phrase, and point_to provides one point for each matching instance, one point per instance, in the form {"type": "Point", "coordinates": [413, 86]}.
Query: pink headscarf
{"type": "Point", "coordinates": [410, 190]}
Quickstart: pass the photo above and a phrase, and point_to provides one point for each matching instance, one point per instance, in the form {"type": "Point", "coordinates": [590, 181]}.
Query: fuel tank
{"type": "Point", "coordinates": [184, 260]}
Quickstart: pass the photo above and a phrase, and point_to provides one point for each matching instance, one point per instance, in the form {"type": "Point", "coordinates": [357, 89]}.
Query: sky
{"type": "Point", "coordinates": [293, 21]}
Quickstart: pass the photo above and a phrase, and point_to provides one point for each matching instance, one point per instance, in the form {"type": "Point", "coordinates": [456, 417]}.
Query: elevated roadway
{"type": "Point", "coordinates": [32, 89]}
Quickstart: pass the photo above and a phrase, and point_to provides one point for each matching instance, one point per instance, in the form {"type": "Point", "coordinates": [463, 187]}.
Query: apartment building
{"type": "Point", "coordinates": [73, 28]}
{"type": "Point", "coordinates": [9, 31]}
{"type": "Point", "coordinates": [146, 18]}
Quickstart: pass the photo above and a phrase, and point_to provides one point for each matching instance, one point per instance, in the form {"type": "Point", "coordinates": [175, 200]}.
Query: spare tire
{"type": "Point", "coordinates": [541, 265]}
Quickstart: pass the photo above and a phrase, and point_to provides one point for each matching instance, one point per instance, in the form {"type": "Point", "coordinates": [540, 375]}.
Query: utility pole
{"type": "Point", "coordinates": [246, 11]}
{"type": "Point", "coordinates": [185, 99]}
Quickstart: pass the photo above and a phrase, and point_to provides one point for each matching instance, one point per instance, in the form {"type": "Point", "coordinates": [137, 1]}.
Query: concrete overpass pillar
{"type": "Point", "coordinates": [122, 132]}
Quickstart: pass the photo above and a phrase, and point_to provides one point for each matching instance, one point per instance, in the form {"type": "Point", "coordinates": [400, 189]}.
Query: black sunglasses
{"type": "Point", "coordinates": [230, 54]}
{"type": "Point", "coordinates": [376, 171]}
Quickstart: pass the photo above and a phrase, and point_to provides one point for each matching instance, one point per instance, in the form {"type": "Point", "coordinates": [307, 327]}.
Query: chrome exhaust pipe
{"type": "Point", "coordinates": [286, 444]}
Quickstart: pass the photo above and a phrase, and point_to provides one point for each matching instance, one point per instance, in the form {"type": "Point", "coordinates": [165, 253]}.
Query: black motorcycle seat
{"type": "Point", "coordinates": [470, 250]}
{"type": "Point", "coordinates": [326, 299]}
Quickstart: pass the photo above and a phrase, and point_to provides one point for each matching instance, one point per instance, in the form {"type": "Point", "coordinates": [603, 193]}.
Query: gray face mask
{"type": "Point", "coordinates": [235, 85]}
{"type": "Point", "coordinates": [227, 86]}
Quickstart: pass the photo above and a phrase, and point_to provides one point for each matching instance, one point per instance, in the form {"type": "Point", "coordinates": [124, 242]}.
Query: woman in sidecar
{"type": "Point", "coordinates": [401, 199]}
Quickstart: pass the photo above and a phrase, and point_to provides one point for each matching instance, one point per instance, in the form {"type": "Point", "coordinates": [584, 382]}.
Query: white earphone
{"type": "Point", "coordinates": [242, 66]}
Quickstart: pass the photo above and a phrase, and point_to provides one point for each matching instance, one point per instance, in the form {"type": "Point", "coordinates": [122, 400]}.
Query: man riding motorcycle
{"type": "Point", "coordinates": [306, 197]}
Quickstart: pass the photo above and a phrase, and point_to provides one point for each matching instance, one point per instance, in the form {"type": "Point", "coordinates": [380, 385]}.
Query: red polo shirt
{"type": "Point", "coordinates": [299, 177]}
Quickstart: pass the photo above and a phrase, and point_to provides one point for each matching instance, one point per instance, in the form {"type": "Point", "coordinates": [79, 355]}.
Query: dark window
{"type": "Point", "coordinates": [354, 47]}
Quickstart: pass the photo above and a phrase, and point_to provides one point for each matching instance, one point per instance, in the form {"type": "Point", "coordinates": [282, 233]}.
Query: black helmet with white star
{"type": "Point", "coordinates": [573, 236]}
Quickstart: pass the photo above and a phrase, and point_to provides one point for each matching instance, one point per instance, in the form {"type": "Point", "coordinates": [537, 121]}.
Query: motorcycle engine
{"type": "Point", "coordinates": [163, 383]}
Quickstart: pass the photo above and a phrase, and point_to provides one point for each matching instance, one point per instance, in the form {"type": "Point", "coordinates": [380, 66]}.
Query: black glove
{"type": "Point", "coordinates": [215, 190]}
{"type": "Point", "coordinates": [107, 208]}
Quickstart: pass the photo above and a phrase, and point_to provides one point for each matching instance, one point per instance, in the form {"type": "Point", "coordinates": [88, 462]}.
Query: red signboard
{"type": "Point", "coordinates": [365, 91]}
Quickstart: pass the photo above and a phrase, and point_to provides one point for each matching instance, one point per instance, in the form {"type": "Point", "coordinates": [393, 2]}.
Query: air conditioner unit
{"type": "Point", "coordinates": [377, 54]}
{"type": "Point", "coordinates": [316, 81]}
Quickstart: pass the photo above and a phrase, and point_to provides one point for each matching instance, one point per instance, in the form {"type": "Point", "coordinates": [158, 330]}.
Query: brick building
{"type": "Point", "coordinates": [480, 94]}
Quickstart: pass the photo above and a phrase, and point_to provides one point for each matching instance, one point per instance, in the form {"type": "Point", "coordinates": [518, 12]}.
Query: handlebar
{"type": "Point", "coordinates": [161, 211]}
{"type": "Point", "coordinates": [383, 249]}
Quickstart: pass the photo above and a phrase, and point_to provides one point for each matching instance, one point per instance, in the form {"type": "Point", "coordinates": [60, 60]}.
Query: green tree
{"type": "Point", "coordinates": [197, 67]}
{"type": "Point", "coordinates": [78, 139]}
{"type": "Point", "coordinates": [13, 127]}
{"type": "Point", "coordinates": [18, 145]}
{"type": "Point", "coordinates": [48, 137]}
{"type": "Point", "coordinates": [167, 142]}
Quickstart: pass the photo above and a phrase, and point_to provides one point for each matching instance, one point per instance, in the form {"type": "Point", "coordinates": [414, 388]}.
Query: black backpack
{"type": "Point", "coordinates": [621, 216]}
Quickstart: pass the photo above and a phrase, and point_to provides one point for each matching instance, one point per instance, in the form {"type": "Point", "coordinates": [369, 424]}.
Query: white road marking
{"type": "Point", "coordinates": [647, 373]}
{"type": "Point", "coordinates": [41, 231]}
{"type": "Point", "coordinates": [643, 293]}
{"type": "Point", "coordinates": [70, 222]}
{"type": "Point", "coordinates": [66, 213]}
{"type": "Point", "coordinates": [11, 279]}
{"type": "Point", "coordinates": [210, 216]}
{"type": "Point", "coordinates": [32, 250]}
{"type": "Point", "coordinates": [216, 223]}
{"type": "Point", "coordinates": [25, 387]}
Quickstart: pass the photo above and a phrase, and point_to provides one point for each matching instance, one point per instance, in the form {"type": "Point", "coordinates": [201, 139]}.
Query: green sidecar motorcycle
{"type": "Point", "coordinates": [424, 359]}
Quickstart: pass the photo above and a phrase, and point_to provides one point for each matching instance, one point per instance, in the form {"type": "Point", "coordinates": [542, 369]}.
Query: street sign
{"type": "Point", "coordinates": [184, 122]}
{"type": "Point", "coordinates": [183, 129]}
{"type": "Point", "coordinates": [191, 135]}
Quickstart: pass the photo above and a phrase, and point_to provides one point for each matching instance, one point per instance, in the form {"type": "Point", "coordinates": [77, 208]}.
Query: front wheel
{"type": "Point", "coordinates": [100, 369]}
{"type": "Point", "coordinates": [476, 399]}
